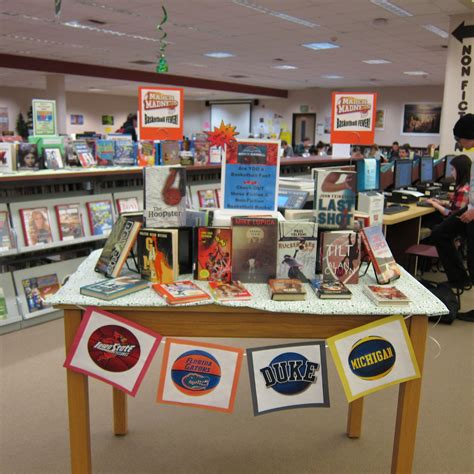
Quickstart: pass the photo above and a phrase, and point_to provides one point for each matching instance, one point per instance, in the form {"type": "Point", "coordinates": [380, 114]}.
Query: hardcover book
{"type": "Point", "coordinates": [115, 288]}
{"type": "Point", "coordinates": [83, 153]}
{"type": "Point", "coordinates": [127, 205]}
{"type": "Point", "coordinates": [286, 289]}
{"type": "Point", "coordinates": [165, 196]}
{"type": "Point", "coordinates": [146, 153]}
{"type": "Point", "coordinates": [331, 289]}
{"type": "Point", "coordinates": [169, 153]}
{"type": "Point", "coordinates": [105, 152]}
{"type": "Point", "coordinates": [207, 198]}
{"type": "Point", "coordinates": [70, 221]}
{"type": "Point", "coordinates": [214, 254]}
{"type": "Point", "coordinates": [180, 292]}
{"type": "Point", "coordinates": [340, 256]}
{"type": "Point", "coordinates": [6, 236]}
{"type": "Point", "coordinates": [7, 157]}
{"type": "Point", "coordinates": [386, 295]}
{"type": "Point", "coordinates": [386, 268]}
{"type": "Point", "coordinates": [27, 158]}
{"type": "Point", "coordinates": [101, 217]}
{"type": "Point", "coordinates": [254, 249]}
{"type": "Point", "coordinates": [38, 290]}
{"type": "Point", "coordinates": [53, 159]}
{"type": "Point", "coordinates": [229, 291]}
{"type": "Point", "coordinates": [36, 226]}
{"type": "Point", "coordinates": [125, 153]}
{"type": "Point", "coordinates": [3, 305]}
{"type": "Point", "coordinates": [335, 198]}
{"type": "Point", "coordinates": [158, 255]}
{"type": "Point", "coordinates": [297, 250]}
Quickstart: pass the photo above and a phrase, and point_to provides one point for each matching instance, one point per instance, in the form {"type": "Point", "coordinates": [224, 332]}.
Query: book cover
{"type": "Point", "coordinates": [7, 157]}
{"type": "Point", "coordinates": [335, 198]}
{"type": "Point", "coordinates": [165, 196]}
{"type": "Point", "coordinates": [83, 153]}
{"type": "Point", "coordinates": [297, 250]}
{"type": "Point", "coordinates": [101, 217]}
{"type": "Point", "coordinates": [169, 153]}
{"type": "Point", "coordinates": [386, 295]}
{"type": "Point", "coordinates": [53, 159]}
{"type": "Point", "coordinates": [254, 249]}
{"type": "Point", "coordinates": [127, 205]}
{"type": "Point", "coordinates": [341, 256]}
{"type": "Point", "coordinates": [386, 268]}
{"type": "Point", "coordinates": [207, 198]}
{"type": "Point", "coordinates": [229, 291]}
{"type": "Point", "coordinates": [214, 254]}
{"type": "Point", "coordinates": [38, 290]}
{"type": "Point", "coordinates": [6, 236]}
{"type": "Point", "coordinates": [146, 153]}
{"type": "Point", "coordinates": [331, 289]}
{"type": "Point", "coordinates": [105, 152]}
{"type": "Point", "coordinates": [286, 289]}
{"type": "Point", "coordinates": [36, 226]}
{"type": "Point", "coordinates": [70, 221]}
{"type": "Point", "coordinates": [158, 255]}
{"type": "Point", "coordinates": [180, 292]}
{"type": "Point", "coordinates": [125, 153]}
{"type": "Point", "coordinates": [3, 305]}
{"type": "Point", "coordinates": [201, 147]}
{"type": "Point", "coordinates": [27, 157]}
{"type": "Point", "coordinates": [114, 288]}
{"type": "Point", "coordinates": [186, 158]}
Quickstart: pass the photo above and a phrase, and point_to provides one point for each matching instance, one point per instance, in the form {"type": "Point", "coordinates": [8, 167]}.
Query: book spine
{"type": "Point", "coordinates": [58, 217]}
{"type": "Point", "coordinates": [24, 225]}
{"type": "Point", "coordinates": [91, 220]}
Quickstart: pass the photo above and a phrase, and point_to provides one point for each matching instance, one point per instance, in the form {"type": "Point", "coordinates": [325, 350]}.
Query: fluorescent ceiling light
{"type": "Point", "coordinates": [332, 76]}
{"type": "Point", "coordinates": [282, 16]}
{"type": "Point", "coordinates": [416, 73]}
{"type": "Point", "coordinates": [391, 7]}
{"type": "Point", "coordinates": [436, 31]}
{"type": "Point", "coordinates": [317, 46]}
{"type": "Point", "coordinates": [95, 89]}
{"type": "Point", "coordinates": [219, 54]}
{"type": "Point", "coordinates": [376, 61]}
{"type": "Point", "coordinates": [285, 67]}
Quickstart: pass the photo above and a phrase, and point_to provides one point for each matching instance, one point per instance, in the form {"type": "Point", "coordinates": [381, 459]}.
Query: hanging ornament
{"type": "Point", "coordinates": [57, 7]}
{"type": "Point", "coordinates": [162, 64]}
{"type": "Point", "coordinates": [224, 135]}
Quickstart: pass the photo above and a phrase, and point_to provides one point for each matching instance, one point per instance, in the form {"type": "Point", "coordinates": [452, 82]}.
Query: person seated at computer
{"type": "Point", "coordinates": [374, 152]}
{"type": "Point", "coordinates": [305, 148]}
{"type": "Point", "coordinates": [393, 154]}
{"type": "Point", "coordinates": [320, 149]}
{"type": "Point", "coordinates": [404, 152]}
{"type": "Point", "coordinates": [287, 149]}
{"type": "Point", "coordinates": [356, 152]}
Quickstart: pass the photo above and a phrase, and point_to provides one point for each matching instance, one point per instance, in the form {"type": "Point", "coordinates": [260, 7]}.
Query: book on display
{"type": "Point", "coordinates": [7, 158]}
{"type": "Point", "coordinates": [127, 204]}
{"type": "Point", "coordinates": [6, 236]}
{"type": "Point", "coordinates": [125, 152]}
{"type": "Point", "coordinates": [101, 217]}
{"type": "Point", "coordinates": [27, 158]}
{"type": "Point", "coordinates": [229, 291]}
{"type": "Point", "coordinates": [201, 147]}
{"type": "Point", "coordinates": [214, 254]}
{"type": "Point", "coordinates": [83, 153]}
{"type": "Point", "coordinates": [105, 152]}
{"type": "Point", "coordinates": [286, 289]}
{"type": "Point", "coordinates": [36, 226]}
{"type": "Point", "coordinates": [38, 291]}
{"type": "Point", "coordinates": [168, 152]}
{"type": "Point", "coordinates": [114, 288]}
{"type": "Point", "coordinates": [70, 221]}
{"type": "Point", "coordinates": [386, 295]}
{"type": "Point", "coordinates": [53, 159]}
{"type": "Point", "coordinates": [207, 198]}
{"type": "Point", "coordinates": [180, 292]}
{"type": "Point", "coordinates": [146, 153]}
{"type": "Point", "coordinates": [330, 289]}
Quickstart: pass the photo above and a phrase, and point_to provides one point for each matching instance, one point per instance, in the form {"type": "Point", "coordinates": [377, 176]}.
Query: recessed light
{"type": "Point", "coordinates": [437, 31]}
{"type": "Point", "coordinates": [285, 67]}
{"type": "Point", "coordinates": [376, 61]}
{"type": "Point", "coordinates": [219, 54]}
{"type": "Point", "coordinates": [416, 73]}
{"type": "Point", "coordinates": [391, 7]}
{"type": "Point", "coordinates": [318, 46]}
{"type": "Point", "coordinates": [332, 76]}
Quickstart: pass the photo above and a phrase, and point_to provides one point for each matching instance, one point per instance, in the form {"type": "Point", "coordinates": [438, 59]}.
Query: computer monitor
{"type": "Point", "coordinates": [368, 175]}
{"type": "Point", "coordinates": [426, 169]}
{"type": "Point", "coordinates": [448, 169]}
{"type": "Point", "coordinates": [402, 174]}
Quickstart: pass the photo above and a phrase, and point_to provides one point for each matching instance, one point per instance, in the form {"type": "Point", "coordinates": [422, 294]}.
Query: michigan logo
{"type": "Point", "coordinates": [290, 373]}
{"type": "Point", "coordinates": [372, 358]}
{"type": "Point", "coordinates": [196, 373]}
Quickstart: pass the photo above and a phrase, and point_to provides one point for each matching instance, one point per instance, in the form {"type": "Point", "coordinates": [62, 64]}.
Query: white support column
{"type": "Point", "coordinates": [56, 90]}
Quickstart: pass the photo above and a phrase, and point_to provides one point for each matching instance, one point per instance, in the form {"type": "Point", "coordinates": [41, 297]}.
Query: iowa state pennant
{"type": "Point", "coordinates": [199, 375]}
{"type": "Point", "coordinates": [374, 356]}
{"type": "Point", "coordinates": [288, 376]}
{"type": "Point", "coordinates": [112, 349]}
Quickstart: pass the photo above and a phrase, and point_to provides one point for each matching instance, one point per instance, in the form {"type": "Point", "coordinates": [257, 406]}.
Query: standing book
{"type": "Point", "coordinates": [207, 198]}
{"type": "Point", "coordinates": [36, 226]}
{"type": "Point", "coordinates": [146, 153]}
{"type": "Point", "coordinates": [254, 249]}
{"type": "Point", "coordinates": [7, 157]}
{"type": "Point", "coordinates": [386, 268]}
{"type": "Point", "coordinates": [27, 158]}
{"type": "Point", "coordinates": [70, 221]}
{"type": "Point", "coordinates": [105, 152]}
{"type": "Point", "coordinates": [168, 153]}
{"type": "Point", "coordinates": [214, 254]}
{"type": "Point", "coordinates": [39, 290]}
{"type": "Point", "coordinates": [6, 235]}
{"type": "Point", "coordinates": [386, 295]}
{"type": "Point", "coordinates": [127, 205]}
{"type": "Point", "coordinates": [109, 290]}
{"type": "Point", "coordinates": [180, 292]}
{"type": "Point", "coordinates": [101, 217]}
{"type": "Point", "coordinates": [229, 291]}
{"type": "Point", "coordinates": [125, 153]}
{"type": "Point", "coordinates": [53, 159]}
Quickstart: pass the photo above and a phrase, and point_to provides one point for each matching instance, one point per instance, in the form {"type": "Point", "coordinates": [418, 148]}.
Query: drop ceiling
{"type": "Point", "coordinates": [257, 32]}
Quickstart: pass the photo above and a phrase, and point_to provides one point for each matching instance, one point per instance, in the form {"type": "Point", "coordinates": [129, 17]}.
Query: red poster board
{"type": "Point", "coordinates": [353, 117]}
{"type": "Point", "coordinates": [160, 113]}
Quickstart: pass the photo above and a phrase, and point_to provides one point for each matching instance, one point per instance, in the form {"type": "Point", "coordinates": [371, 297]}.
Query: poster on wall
{"type": "Point", "coordinates": [353, 117]}
{"type": "Point", "coordinates": [4, 123]}
{"type": "Point", "coordinates": [379, 119]}
{"type": "Point", "coordinates": [250, 175]}
{"type": "Point", "coordinates": [421, 119]}
{"type": "Point", "coordinates": [160, 112]}
{"type": "Point", "coordinates": [77, 119]}
{"type": "Point", "coordinates": [44, 117]}
{"type": "Point", "coordinates": [107, 119]}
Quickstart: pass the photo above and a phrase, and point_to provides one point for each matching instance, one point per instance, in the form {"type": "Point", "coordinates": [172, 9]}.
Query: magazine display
{"type": "Point", "coordinates": [38, 290]}
{"type": "Point", "coordinates": [101, 217]}
{"type": "Point", "coordinates": [70, 221]}
{"type": "Point", "coordinates": [36, 226]}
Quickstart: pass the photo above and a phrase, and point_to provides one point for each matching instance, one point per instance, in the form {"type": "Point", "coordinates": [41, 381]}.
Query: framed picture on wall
{"type": "Point", "coordinates": [107, 119]}
{"type": "Point", "coordinates": [421, 119]}
{"type": "Point", "coordinates": [77, 119]}
{"type": "Point", "coordinates": [379, 119]}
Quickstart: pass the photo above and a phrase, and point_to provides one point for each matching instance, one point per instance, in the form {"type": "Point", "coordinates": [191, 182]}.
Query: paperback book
{"type": "Point", "coordinates": [125, 153]}
{"type": "Point", "coordinates": [229, 291]}
{"type": "Point", "coordinates": [386, 295]}
{"type": "Point", "coordinates": [101, 217]}
{"type": "Point", "coordinates": [297, 250]}
{"type": "Point", "coordinates": [105, 152]}
{"type": "Point", "coordinates": [6, 236]}
{"type": "Point", "coordinates": [38, 290]}
{"type": "Point", "coordinates": [70, 221]}
{"type": "Point", "coordinates": [36, 226]}
{"type": "Point", "coordinates": [201, 147]}
{"type": "Point", "coordinates": [83, 153]}
{"type": "Point", "coordinates": [207, 198]}
{"type": "Point", "coordinates": [330, 289]}
{"type": "Point", "coordinates": [286, 289]}
{"type": "Point", "coordinates": [180, 292]}
{"type": "Point", "coordinates": [146, 153]}
{"type": "Point", "coordinates": [127, 205]}
{"type": "Point", "coordinates": [27, 157]}
{"type": "Point", "coordinates": [115, 288]}
{"type": "Point", "coordinates": [53, 159]}
{"type": "Point", "coordinates": [168, 153]}
{"type": "Point", "coordinates": [7, 157]}
{"type": "Point", "coordinates": [214, 254]}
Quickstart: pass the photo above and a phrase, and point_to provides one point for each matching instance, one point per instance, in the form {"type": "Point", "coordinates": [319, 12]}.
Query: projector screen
{"type": "Point", "coordinates": [233, 114]}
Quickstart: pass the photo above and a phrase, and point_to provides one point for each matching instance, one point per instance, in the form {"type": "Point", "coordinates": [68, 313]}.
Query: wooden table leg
{"type": "Point", "coordinates": [408, 403]}
{"type": "Point", "coordinates": [354, 418]}
{"type": "Point", "coordinates": [120, 412]}
{"type": "Point", "coordinates": [78, 403]}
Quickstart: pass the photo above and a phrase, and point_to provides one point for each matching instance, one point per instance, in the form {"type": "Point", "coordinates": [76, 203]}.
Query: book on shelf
{"type": "Point", "coordinates": [101, 216]}
{"type": "Point", "coordinates": [127, 205]}
{"type": "Point", "coordinates": [186, 158]}
{"type": "Point", "coordinates": [201, 147]}
{"type": "Point", "coordinates": [383, 295]}
{"type": "Point", "coordinates": [6, 236]}
{"type": "Point", "coordinates": [105, 152]}
{"type": "Point", "coordinates": [254, 249]}
{"type": "Point", "coordinates": [286, 289]}
{"type": "Point", "coordinates": [168, 153]}
{"type": "Point", "coordinates": [297, 250]}
{"type": "Point", "coordinates": [36, 226]}
{"type": "Point", "coordinates": [335, 198]}
{"type": "Point", "coordinates": [83, 153]}
{"type": "Point", "coordinates": [330, 289]}
{"type": "Point", "coordinates": [165, 196]}
{"type": "Point", "coordinates": [158, 254]}
{"type": "Point", "coordinates": [69, 221]}
{"type": "Point", "coordinates": [119, 244]}
{"type": "Point", "coordinates": [229, 291]}
{"type": "Point", "coordinates": [207, 198]}
{"type": "Point", "coordinates": [111, 289]}
{"type": "Point", "coordinates": [180, 292]}
{"type": "Point", "coordinates": [146, 153]}
{"type": "Point", "coordinates": [53, 159]}
{"type": "Point", "coordinates": [27, 158]}
{"type": "Point", "coordinates": [7, 157]}
{"type": "Point", "coordinates": [38, 290]}
{"type": "Point", "coordinates": [125, 152]}
{"type": "Point", "coordinates": [385, 266]}
{"type": "Point", "coordinates": [3, 305]}
{"type": "Point", "coordinates": [340, 256]}
{"type": "Point", "coordinates": [214, 254]}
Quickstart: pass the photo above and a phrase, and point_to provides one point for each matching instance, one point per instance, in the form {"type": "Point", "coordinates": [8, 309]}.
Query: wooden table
{"type": "Point", "coordinates": [241, 322]}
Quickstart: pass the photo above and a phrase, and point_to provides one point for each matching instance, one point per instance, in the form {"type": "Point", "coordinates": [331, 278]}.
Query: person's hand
{"type": "Point", "coordinates": [431, 201]}
{"type": "Point", "coordinates": [467, 216]}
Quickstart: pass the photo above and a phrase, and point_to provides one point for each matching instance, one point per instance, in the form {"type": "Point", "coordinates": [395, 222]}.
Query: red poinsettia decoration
{"type": "Point", "coordinates": [224, 135]}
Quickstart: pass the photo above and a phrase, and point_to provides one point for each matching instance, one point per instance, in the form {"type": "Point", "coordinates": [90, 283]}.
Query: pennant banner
{"type": "Point", "coordinates": [288, 376]}
{"type": "Point", "coordinates": [374, 356]}
{"type": "Point", "coordinates": [112, 349]}
{"type": "Point", "coordinates": [199, 375]}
